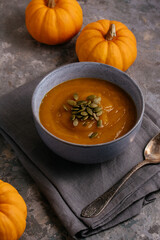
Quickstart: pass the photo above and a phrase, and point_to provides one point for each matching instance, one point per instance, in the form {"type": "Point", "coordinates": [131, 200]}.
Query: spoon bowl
{"type": "Point", "coordinates": [152, 150]}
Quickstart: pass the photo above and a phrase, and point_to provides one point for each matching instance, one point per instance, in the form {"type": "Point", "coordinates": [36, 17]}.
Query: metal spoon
{"type": "Point", "coordinates": [152, 156]}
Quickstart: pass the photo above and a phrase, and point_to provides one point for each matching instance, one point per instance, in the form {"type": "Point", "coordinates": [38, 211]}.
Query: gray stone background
{"type": "Point", "coordinates": [22, 59]}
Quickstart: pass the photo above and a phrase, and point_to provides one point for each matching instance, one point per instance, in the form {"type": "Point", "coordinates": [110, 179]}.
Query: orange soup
{"type": "Point", "coordinates": [87, 111]}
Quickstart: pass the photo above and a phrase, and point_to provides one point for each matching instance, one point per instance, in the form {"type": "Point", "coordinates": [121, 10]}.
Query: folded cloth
{"type": "Point", "coordinates": [69, 187]}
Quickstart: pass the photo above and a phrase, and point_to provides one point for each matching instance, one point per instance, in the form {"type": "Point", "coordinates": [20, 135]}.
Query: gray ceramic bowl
{"type": "Point", "coordinates": [80, 153]}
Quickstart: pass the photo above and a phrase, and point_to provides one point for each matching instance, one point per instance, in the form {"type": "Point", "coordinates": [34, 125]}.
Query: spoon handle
{"type": "Point", "coordinates": [97, 206]}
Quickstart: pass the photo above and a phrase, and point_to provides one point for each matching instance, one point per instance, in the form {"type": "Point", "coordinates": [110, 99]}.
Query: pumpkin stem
{"type": "Point", "coordinates": [51, 3]}
{"type": "Point", "coordinates": [111, 32]}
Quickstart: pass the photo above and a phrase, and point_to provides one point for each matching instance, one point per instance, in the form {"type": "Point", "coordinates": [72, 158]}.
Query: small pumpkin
{"type": "Point", "coordinates": [13, 212]}
{"type": "Point", "coordinates": [109, 42]}
{"type": "Point", "coordinates": [54, 21]}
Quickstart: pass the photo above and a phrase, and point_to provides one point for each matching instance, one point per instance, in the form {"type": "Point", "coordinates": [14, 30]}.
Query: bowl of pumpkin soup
{"type": "Point", "coordinates": [87, 112]}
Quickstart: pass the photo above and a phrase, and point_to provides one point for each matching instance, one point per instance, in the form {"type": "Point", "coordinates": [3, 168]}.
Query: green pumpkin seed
{"type": "Point", "coordinates": [99, 123]}
{"type": "Point", "coordinates": [65, 107]}
{"type": "Point", "coordinates": [99, 113]}
{"type": "Point", "coordinates": [84, 113]}
{"type": "Point", "coordinates": [75, 122]}
{"type": "Point", "coordinates": [71, 102]}
{"type": "Point", "coordinates": [75, 109]}
{"type": "Point", "coordinates": [79, 102]}
{"type": "Point", "coordinates": [82, 102]}
{"type": "Point", "coordinates": [91, 97]}
{"type": "Point", "coordinates": [82, 109]}
{"type": "Point", "coordinates": [89, 102]}
{"type": "Point", "coordinates": [92, 118]}
{"type": "Point", "coordinates": [93, 105]}
{"type": "Point", "coordinates": [73, 117]}
{"type": "Point", "coordinates": [90, 134]}
{"type": "Point", "coordinates": [93, 135]}
{"type": "Point", "coordinates": [75, 96]}
{"type": "Point", "coordinates": [97, 109]}
{"type": "Point", "coordinates": [89, 111]}
{"type": "Point", "coordinates": [95, 116]}
{"type": "Point", "coordinates": [74, 112]}
{"type": "Point", "coordinates": [79, 116]}
{"type": "Point", "coordinates": [85, 118]}
{"type": "Point", "coordinates": [97, 100]}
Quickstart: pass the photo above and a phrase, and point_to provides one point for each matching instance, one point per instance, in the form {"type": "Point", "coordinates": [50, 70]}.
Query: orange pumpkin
{"type": "Point", "coordinates": [108, 42]}
{"type": "Point", "coordinates": [13, 213]}
{"type": "Point", "coordinates": [54, 21]}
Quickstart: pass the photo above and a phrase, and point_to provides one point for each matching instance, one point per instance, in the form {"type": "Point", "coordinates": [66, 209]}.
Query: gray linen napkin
{"type": "Point", "coordinates": [69, 187]}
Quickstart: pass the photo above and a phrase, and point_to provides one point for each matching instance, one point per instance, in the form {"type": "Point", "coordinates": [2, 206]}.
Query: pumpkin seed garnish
{"type": "Point", "coordinates": [65, 107]}
{"type": "Point", "coordinates": [79, 116]}
{"type": "Point", "coordinates": [82, 102]}
{"type": "Point", "coordinates": [92, 118]}
{"type": "Point", "coordinates": [97, 100]}
{"type": "Point", "coordinates": [99, 113]}
{"type": "Point", "coordinates": [71, 102]}
{"type": "Point", "coordinates": [84, 123]}
{"type": "Point", "coordinates": [73, 117]}
{"type": "Point", "coordinates": [74, 112]}
{"type": "Point", "coordinates": [75, 122]}
{"type": "Point", "coordinates": [74, 109]}
{"type": "Point", "coordinates": [85, 109]}
{"type": "Point", "coordinates": [93, 105]}
{"type": "Point", "coordinates": [97, 109]}
{"type": "Point", "coordinates": [93, 135]}
{"type": "Point", "coordinates": [89, 110]}
{"type": "Point", "coordinates": [90, 134]}
{"type": "Point", "coordinates": [75, 96]}
{"type": "Point", "coordinates": [91, 97]}
{"type": "Point", "coordinates": [85, 118]}
{"type": "Point", "coordinates": [82, 109]}
{"type": "Point", "coordinates": [95, 116]}
{"type": "Point", "coordinates": [85, 103]}
{"type": "Point", "coordinates": [84, 113]}
{"type": "Point", "coordinates": [99, 123]}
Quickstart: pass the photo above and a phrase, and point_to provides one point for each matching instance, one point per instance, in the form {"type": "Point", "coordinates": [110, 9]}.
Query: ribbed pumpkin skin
{"type": "Point", "coordinates": [53, 25]}
{"type": "Point", "coordinates": [13, 213]}
{"type": "Point", "coordinates": [120, 52]}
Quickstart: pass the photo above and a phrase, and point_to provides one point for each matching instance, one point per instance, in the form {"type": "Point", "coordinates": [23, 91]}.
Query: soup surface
{"type": "Point", "coordinates": [87, 111]}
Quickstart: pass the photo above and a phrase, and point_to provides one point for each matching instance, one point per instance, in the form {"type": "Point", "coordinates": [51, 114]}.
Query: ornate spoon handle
{"type": "Point", "coordinates": [97, 206]}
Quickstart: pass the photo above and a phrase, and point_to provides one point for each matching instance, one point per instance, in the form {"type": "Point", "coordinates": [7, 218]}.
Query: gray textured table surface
{"type": "Point", "coordinates": [23, 59]}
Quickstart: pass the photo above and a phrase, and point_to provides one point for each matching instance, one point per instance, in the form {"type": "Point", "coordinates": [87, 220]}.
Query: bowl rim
{"type": "Point", "coordinates": [87, 145]}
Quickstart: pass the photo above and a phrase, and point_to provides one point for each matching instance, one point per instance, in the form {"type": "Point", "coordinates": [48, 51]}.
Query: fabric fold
{"type": "Point", "coordinates": [69, 187]}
